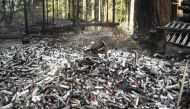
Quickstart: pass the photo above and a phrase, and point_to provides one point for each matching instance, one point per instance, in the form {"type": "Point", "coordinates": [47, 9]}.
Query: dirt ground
{"type": "Point", "coordinates": [8, 43]}
{"type": "Point", "coordinates": [172, 49]}
{"type": "Point", "coordinates": [85, 37]}
{"type": "Point", "coordinates": [88, 36]}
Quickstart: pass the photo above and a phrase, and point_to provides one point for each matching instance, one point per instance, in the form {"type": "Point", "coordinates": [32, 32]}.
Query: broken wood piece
{"type": "Point", "coordinates": [182, 85]}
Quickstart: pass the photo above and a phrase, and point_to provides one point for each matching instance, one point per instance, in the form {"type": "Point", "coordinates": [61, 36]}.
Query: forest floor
{"type": "Point", "coordinates": [57, 60]}
{"type": "Point", "coordinates": [86, 37]}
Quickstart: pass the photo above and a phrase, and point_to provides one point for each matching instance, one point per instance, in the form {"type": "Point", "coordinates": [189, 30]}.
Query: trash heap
{"type": "Point", "coordinates": [53, 75]}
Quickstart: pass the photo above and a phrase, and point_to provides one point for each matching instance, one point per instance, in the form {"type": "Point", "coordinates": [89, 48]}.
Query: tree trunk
{"type": "Point", "coordinates": [57, 9]}
{"type": "Point", "coordinates": [86, 19]}
{"type": "Point", "coordinates": [4, 12]}
{"type": "Point", "coordinates": [113, 19]}
{"type": "Point", "coordinates": [78, 9]}
{"type": "Point", "coordinates": [11, 14]}
{"type": "Point", "coordinates": [43, 12]}
{"type": "Point", "coordinates": [53, 11]}
{"type": "Point", "coordinates": [84, 10]}
{"type": "Point", "coordinates": [100, 11]}
{"type": "Point", "coordinates": [69, 9]}
{"type": "Point", "coordinates": [32, 1]}
{"type": "Point", "coordinates": [93, 12]}
{"type": "Point", "coordinates": [1, 12]}
{"type": "Point", "coordinates": [151, 13]}
{"type": "Point", "coordinates": [107, 10]}
{"type": "Point", "coordinates": [121, 11]}
{"type": "Point", "coordinates": [26, 16]}
{"type": "Point", "coordinates": [63, 10]}
{"type": "Point", "coordinates": [47, 11]}
{"type": "Point", "coordinates": [131, 16]}
{"type": "Point", "coordinates": [73, 9]}
{"type": "Point", "coordinates": [13, 9]}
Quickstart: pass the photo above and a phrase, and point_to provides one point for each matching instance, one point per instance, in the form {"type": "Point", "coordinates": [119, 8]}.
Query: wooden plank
{"type": "Point", "coordinates": [183, 26]}
{"type": "Point", "coordinates": [183, 80]}
{"type": "Point", "coordinates": [186, 30]}
{"type": "Point", "coordinates": [178, 25]}
{"type": "Point", "coordinates": [173, 38]}
{"type": "Point", "coordinates": [179, 38]}
{"type": "Point", "coordinates": [168, 25]}
{"type": "Point", "coordinates": [168, 37]}
{"type": "Point", "coordinates": [188, 44]}
{"type": "Point", "coordinates": [185, 39]}
{"type": "Point", "coordinates": [172, 26]}
{"type": "Point", "coordinates": [188, 27]}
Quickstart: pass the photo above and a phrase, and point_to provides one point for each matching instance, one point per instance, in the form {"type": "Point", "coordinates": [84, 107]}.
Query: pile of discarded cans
{"type": "Point", "coordinates": [53, 75]}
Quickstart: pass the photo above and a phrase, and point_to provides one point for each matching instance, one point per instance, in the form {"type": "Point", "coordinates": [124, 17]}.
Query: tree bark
{"type": "Point", "coordinates": [121, 12]}
{"type": "Point", "coordinates": [26, 17]}
{"type": "Point", "coordinates": [78, 9]}
{"type": "Point", "coordinates": [13, 9]}
{"type": "Point", "coordinates": [53, 11]}
{"type": "Point", "coordinates": [113, 19]}
{"type": "Point", "coordinates": [107, 10]}
{"type": "Point", "coordinates": [57, 9]}
{"type": "Point", "coordinates": [73, 9]}
{"type": "Point", "coordinates": [131, 16]}
{"type": "Point", "coordinates": [63, 10]}
{"type": "Point", "coordinates": [4, 12]}
{"type": "Point", "coordinates": [11, 14]}
{"type": "Point", "coordinates": [69, 9]}
{"type": "Point", "coordinates": [1, 11]}
{"type": "Point", "coordinates": [43, 12]}
{"type": "Point", "coordinates": [47, 13]}
{"type": "Point", "coordinates": [93, 12]}
{"type": "Point", "coordinates": [151, 13]}
{"type": "Point", "coordinates": [84, 10]}
{"type": "Point", "coordinates": [100, 11]}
